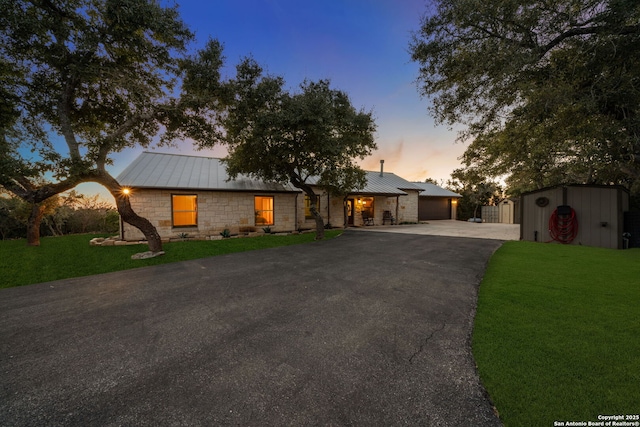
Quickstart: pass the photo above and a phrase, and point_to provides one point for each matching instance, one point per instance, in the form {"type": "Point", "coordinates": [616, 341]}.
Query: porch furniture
{"type": "Point", "coordinates": [366, 218]}
{"type": "Point", "coordinates": [386, 216]}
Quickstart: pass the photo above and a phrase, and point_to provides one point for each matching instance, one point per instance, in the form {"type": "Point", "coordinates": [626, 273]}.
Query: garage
{"type": "Point", "coordinates": [435, 202]}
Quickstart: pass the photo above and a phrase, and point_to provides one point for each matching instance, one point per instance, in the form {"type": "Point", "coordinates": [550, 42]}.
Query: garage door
{"type": "Point", "coordinates": [434, 208]}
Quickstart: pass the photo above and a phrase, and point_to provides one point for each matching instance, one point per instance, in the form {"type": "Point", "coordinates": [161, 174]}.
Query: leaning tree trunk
{"type": "Point", "coordinates": [314, 210]}
{"type": "Point", "coordinates": [127, 213]}
{"type": "Point", "coordinates": [33, 224]}
{"type": "Point", "coordinates": [319, 220]}
{"type": "Point", "coordinates": [345, 212]}
{"type": "Point", "coordinates": [144, 225]}
{"type": "Point", "coordinates": [298, 183]}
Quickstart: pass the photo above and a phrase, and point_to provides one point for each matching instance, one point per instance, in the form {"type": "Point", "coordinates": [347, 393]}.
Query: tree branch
{"type": "Point", "coordinates": [107, 144]}
{"type": "Point", "coordinates": [64, 115]}
{"type": "Point", "coordinates": [573, 32]}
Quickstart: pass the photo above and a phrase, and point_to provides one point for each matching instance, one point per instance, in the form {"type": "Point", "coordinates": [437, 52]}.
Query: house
{"type": "Point", "coordinates": [193, 195]}
{"type": "Point", "coordinates": [590, 215]}
{"type": "Point", "coordinates": [436, 203]}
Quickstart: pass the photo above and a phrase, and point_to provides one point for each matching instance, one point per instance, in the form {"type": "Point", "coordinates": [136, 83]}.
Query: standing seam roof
{"type": "Point", "coordinates": [157, 170]}
{"type": "Point", "coordinates": [432, 190]}
{"type": "Point", "coordinates": [174, 171]}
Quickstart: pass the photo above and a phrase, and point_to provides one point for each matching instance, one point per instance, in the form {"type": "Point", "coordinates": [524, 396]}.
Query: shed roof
{"type": "Point", "coordinates": [553, 187]}
{"type": "Point", "coordinates": [176, 171]}
{"type": "Point", "coordinates": [433, 190]}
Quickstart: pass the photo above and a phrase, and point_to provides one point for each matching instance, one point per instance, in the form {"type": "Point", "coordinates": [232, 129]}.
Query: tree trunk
{"type": "Point", "coordinates": [298, 183]}
{"type": "Point", "coordinates": [99, 176]}
{"type": "Point", "coordinates": [319, 220]}
{"type": "Point", "coordinates": [144, 225]}
{"type": "Point", "coordinates": [345, 212]}
{"type": "Point", "coordinates": [33, 224]}
{"type": "Point", "coordinates": [127, 213]}
{"type": "Point", "coordinates": [314, 210]}
{"type": "Point", "coordinates": [51, 228]}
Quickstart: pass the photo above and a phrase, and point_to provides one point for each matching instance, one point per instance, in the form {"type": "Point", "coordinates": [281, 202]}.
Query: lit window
{"type": "Point", "coordinates": [264, 210]}
{"type": "Point", "coordinates": [367, 206]}
{"type": "Point", "coordinates": [185, 210]}
{"type": "Point", "coordinates": [307, 206]}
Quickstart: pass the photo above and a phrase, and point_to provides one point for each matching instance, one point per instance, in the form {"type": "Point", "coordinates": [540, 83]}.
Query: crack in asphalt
{"type": "Point", "coordinates": [426, 340]}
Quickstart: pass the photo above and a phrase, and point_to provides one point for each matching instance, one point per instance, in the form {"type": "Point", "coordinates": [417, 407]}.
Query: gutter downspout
{"type": "Point", "coordinates": [397, 209]}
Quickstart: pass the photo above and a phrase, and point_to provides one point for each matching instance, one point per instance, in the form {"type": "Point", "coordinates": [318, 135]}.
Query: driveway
{"type": "Point", "coordinates": [454, 228]}
{"type": "Point", "coordinates": [366, 329]}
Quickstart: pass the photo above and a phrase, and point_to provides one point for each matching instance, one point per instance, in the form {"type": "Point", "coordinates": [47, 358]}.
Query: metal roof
{"type": "Point", "coordinates": [175, 171]}
{"type": "Point", "coordinates": [388, 184]}
{"type": "Point", "coordinates": [432, 190]}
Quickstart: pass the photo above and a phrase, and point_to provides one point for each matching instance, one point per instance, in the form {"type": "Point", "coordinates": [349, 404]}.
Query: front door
{"type": "Point", "coordinates": [350, 212]}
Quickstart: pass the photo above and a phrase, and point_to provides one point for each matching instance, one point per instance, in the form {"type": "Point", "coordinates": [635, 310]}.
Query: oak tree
{"type": "Point", "coordinates": [549, 90]}
{"type": "Point", "coordinates": [307, 138]}
{"type": "Point", "coordinates": [84, 79]}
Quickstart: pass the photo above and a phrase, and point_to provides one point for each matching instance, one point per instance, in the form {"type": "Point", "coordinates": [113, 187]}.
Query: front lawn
{"type": "Point", "coordinates": [557, 333]}
{"type": "Point", "coordinates": [71, 256]}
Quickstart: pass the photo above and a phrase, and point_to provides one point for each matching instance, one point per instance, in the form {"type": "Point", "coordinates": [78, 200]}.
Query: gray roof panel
{"type": "Point", "coordinates": [158, 170]}
{"type": "Point", "coordinates": [377, 185]}
{"type": "Point", "coordinates": [378, 181]}
{"type": "Point", "coordinates": [432, 190]}
{"type": "Point", "coordinates": [176, 171]}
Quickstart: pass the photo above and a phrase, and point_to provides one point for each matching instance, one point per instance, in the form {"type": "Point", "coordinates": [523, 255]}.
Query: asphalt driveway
{"type": "Point", "coordinates": [366, 329]}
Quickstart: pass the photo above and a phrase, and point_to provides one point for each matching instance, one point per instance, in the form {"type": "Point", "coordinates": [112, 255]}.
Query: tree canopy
{"type": "Point", "coordinates": [476, 191]}
{"type": "Point", "coordinates": [310, 137]}
{"type": "Point", "coordinates": [549, 90]}
{"type": "Point", "coordinates": [83, 79]}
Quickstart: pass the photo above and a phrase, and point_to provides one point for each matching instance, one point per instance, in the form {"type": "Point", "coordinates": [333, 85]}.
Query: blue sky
{"type": "Point", "coordinates": [361, 46]}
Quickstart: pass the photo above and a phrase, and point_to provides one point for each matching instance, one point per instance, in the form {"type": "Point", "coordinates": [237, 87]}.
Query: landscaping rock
{"type": "Point", "coordinates": [115, 241]}
{"type": "Point", "coordinates": [97, 241]}
{"type": "Point", "coordinates": [146, 255]}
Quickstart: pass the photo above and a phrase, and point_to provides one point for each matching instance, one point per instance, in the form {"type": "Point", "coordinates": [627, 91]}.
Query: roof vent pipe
{"type": "Point", "coordinates": [381, 168]}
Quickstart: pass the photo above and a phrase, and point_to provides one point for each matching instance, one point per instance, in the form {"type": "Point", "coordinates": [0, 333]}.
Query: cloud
{"type": "Point", "coordinates": [390, 153]}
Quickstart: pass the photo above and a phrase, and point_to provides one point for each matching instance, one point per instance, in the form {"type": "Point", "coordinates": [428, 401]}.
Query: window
{"type": "Point", "coordinates": [366, 205]}
{"type": "Point", "coordinates": [307, 206]}
{"type": "Point", "coordinates": [264, 210]}
{"type": "Point", "coordinates": [184, 210]}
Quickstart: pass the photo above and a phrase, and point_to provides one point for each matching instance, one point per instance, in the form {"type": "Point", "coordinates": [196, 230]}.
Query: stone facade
{"type": "Point", "coordinates": [235, 211]}
{"type": "Point", "coordinates": [402, 208]}
{"type": "Point", "coordinates": [408, 211]}
{"type": "Point", "coordinates": [216, 211]}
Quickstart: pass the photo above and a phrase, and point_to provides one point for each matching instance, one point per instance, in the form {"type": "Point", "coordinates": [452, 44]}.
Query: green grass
{"type": "Point", "coordinates": [557, 333]}
{"type": "Point", "coordinates": [71, 256]}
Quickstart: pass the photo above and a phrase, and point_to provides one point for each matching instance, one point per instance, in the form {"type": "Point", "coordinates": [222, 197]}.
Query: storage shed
{"type": "Point", "coordinates": [588, 215]}
{"type": "Point", "coordinates": [507, 211]}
